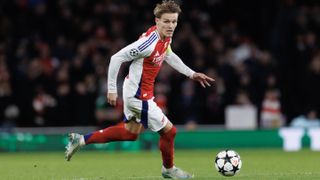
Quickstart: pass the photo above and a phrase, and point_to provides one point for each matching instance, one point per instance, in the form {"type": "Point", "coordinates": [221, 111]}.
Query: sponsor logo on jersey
{"type": "Point", "coordinates": [158, 58]}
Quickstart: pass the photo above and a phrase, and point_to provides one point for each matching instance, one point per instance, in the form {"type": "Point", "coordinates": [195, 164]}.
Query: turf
{"type": "Point", "coordinates": [258, 164]}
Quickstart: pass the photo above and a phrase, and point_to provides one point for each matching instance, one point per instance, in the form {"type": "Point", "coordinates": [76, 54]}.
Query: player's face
{"type": "Point", "coordinates": [166, 24]}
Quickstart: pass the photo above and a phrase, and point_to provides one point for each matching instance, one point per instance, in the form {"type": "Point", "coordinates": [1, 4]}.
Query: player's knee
{"type": "Point", "coordinates": [173, 131]}
{"type": "Point", "coordinates": [134, 127]}
{"type": "Point", "coordinates": [171, 134]}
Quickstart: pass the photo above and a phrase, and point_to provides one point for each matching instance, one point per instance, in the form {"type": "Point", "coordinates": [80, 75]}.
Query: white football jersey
{"type": "Point", "coordinates": [147, 55]}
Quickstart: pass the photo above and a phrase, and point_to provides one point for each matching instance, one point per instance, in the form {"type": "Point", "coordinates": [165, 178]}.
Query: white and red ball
{"type": "Point", "coordinates": [228, 162]}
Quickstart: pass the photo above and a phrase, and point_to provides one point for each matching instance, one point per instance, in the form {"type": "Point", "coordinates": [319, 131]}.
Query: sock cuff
{"type": "Point", "coordinates": [171, 133]}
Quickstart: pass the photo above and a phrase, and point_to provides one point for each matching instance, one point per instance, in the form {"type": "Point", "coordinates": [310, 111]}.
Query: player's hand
{"type": "Point", "coordinates": [112, 98]}
{"type": "Point", "coordinates": [203, 79]}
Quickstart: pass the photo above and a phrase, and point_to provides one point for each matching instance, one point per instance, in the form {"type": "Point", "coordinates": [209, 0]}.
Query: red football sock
{"type": "Point", "coordinates": [166, 146]}
{"type": "Point", "coordinates": [113, 133]}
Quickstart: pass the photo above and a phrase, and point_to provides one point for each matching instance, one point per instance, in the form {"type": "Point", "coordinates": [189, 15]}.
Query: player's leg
{"type": "Point", "coordinates": [158, 122]}
{"type": "Point", "coordinates": [122, 132]}
{"type": "Point", "coordinates": [128, 131]}
{"type": "Point", "coordinates": [166, 146]}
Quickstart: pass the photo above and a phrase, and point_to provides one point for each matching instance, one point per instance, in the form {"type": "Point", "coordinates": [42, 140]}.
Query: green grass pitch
{"type": "Point", "coordinates": [258, 164]}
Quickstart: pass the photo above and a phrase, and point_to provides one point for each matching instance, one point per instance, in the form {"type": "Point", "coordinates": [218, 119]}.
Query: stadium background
{"type": "Point", "coordinates": [54, 56]}
{"type": "Point", "coordinates": [53, 60]}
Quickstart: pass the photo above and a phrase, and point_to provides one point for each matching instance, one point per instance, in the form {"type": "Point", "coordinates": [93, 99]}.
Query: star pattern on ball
{"type": "Point", "coordinates": [228, 162]}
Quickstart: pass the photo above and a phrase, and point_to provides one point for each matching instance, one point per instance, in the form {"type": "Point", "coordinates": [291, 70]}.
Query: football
{"type": "Point", "coordinates": [228, 162]}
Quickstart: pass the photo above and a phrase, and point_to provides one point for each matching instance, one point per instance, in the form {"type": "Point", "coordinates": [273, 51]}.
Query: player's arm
{"type": "Point", "coordinates": [174, 61]}
{"type": "Point", "coordinates": [131, 52]}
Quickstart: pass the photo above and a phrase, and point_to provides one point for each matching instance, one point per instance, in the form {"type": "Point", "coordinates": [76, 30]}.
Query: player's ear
{"type": "Point", "coordinates": [156, 20]}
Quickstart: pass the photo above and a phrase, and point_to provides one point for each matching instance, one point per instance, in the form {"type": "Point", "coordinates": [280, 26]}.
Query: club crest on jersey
{"type": "Point", "coordinates": [158, 59]}
{"type": "Point", "coordinates": [134, 52]}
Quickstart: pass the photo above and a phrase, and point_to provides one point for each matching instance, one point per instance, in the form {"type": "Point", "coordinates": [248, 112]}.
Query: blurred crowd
{"type": "Point", "coordinates": [54, 56]}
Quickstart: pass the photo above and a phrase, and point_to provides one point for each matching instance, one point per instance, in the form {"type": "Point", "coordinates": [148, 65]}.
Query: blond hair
{"type": "Point", "coordinates": [167, 6]}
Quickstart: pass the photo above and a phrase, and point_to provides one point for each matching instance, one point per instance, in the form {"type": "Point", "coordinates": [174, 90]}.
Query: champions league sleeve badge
{"type": "Point", "coordinates": [134, 52]}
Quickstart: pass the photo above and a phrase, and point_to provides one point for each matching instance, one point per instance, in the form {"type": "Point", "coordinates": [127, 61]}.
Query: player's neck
{"type": "Point", "coordinates": [162, 36]}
